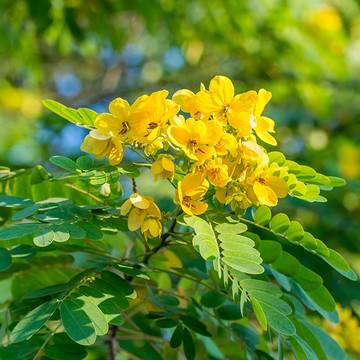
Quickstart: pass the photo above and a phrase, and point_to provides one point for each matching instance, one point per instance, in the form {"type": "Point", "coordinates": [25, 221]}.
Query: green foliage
{"type": "Point", "coordinates": [78, 277]}
{"type": "Point", "coordinates": [81, 117]}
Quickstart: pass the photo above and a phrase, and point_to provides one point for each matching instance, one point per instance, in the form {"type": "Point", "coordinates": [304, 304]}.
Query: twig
{"type": "Point", "coordinates": [112, 342]}
{"type": "Point", "coordinates": [84, 192]}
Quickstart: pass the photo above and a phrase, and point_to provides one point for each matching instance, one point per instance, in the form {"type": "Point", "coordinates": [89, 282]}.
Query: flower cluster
{"type": "Point", "coordinates": [347, 331]}
{"type": "Point", "coordinates": [214, 142]}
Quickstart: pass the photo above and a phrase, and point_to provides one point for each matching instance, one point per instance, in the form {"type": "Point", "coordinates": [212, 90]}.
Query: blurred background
{"type": "Point", "coordinates": [85, 53]}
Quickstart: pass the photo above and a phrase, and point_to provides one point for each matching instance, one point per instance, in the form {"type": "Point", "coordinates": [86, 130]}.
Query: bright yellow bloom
{"type": "Point", "coordinates": [221, 102]}
{"type": "Point", "coordinates": [347, 331]}
{"type": "Point", "coordinates": [103, 145]}
{"type": "Point", "coordinates": [164, 167]}
{"type": "Point", "coordinates": [149, 116]}
{"type": "Point", "coordinates": [196, 137]}
{"type": "Point", "coordinates": [115, 123]}
{"type": "Point", "coordinates": [268, 189]}
{"type": "Point", "coordinates": [144, 214]}
{"type": "Point", "coordinates": [233, 194]}
{"type": "Point", "coordinates": [217, 172]}
{"type": "Point", "coordinates": [250, 116]}
{"type": "Point", "coordinates": [227, 144]}
{"type": "Point", "coordinates": [188, 103]}
{"type": "Point", "coordinates": [190, 192]}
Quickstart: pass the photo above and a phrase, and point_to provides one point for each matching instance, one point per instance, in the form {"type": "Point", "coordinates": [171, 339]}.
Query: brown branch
{"type": "Point", "coordinates": [112, 342]}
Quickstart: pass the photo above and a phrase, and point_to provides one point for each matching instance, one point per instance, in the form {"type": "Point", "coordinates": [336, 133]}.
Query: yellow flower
{"type": "Point", "coordinates": [227, 144]}
{"type": "Point", "coordinates": [103, 145]}
{"type": "Point", "coordinates": [347, 331]}
{"type": "Point", "coordinates": [164, 167]}
{"type": "Point", "coordinates": [144, 214]}
{"type": "Point", "coordinates": [221, 102]}
{"type": "Point", "coordinates": [248, 115]}
{"type": "Point", "coordinates": [115, 123]}
{"type": "Point", "coordinates": [262, 124]}
{"type": "Point", "coordinates": [217, 172]}
{"type": "Point", "coordinates": [190, 192]}
{"type": "Point", "coordinates": [196, 138]}
{"type": "Point", "coordinates": [234, 195]}
{"type": "Point", "coordinates": [268, 189]}
{"type": "Point", "coordinates": [149, 115]}
{"type": "Point", "coordinates": [188, 103]}
{"type": "Point", "coordinates": [251, 152]}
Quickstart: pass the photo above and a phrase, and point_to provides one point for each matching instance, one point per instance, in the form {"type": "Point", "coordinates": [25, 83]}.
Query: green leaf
{"type": "Point", "coordinates": [229, 312]}
{"type": "Point", "coordinates": [279, 223]}
{"type": "Point", "coordinates": [308, 241]}
{"type": "Point", "coordinates": [38, 175]}
{"type": "Point", "coordinates": [194, 324]}
{"type": "Point", "coordinates": [85, 162]}
{"type": "Point", "coordinates": [26, 212]}
{"type": "Point", "coordinates": [278, 321]}
{"type": "Point", "coordinates": [81, 117]}
{"type": "Point", "coordinates": [92, 231]}
{"type": "Point", "coordinates": [64, 163]}
{"type": "Point", "coordinates": [44, 237]}
{"type": "Point", "coordinates": [330, 346]}
{"type": "Point", "coordinates": [212, 299]}
{"type": "Point", "coordinates": [76, 231]}
{"type": "Point", "coordinates": [338, 262]}
{"type": "Point", "coordinates": [231, 228]}
{"type": "Point", "coordinates": [262, 215]}
{"type": "Point", "coordinates": [188, 344]}
{"type": "Point", "coordinates": [246, 334]}
{"type": "Point", "coordinates": [336, 181]}
{"type": "Point", "coordinates": [295, 231]}
{"type": "Point", "coordinates": [5, 259]}
{"type": "Point", "coordinates": [14, 201]}
{"type": "Point", "coordinates": [18, 231]}
{"type": "Point", "coordinates": [286, 264]}
{"type": "Point", "coordinates": [96, 316]}
{"type": "Point", "coordinates": [309, 338]}
{"type": "Point", "coordinates": [176, 337]}
{"type": "Point", "coordinates": [76, 322]}
{"type": "Point", "coordinates": [308, 279]}
{"type": "Point", "coordinates": [322, 298]}
{"type": "Point", "coordinates": [251, 285]}
{"type": "Point", "coordinates": [270, 250]}
{"type": "Point", "coordinates": [118, 282]}
{"type": "Point", "coordinates": [259, 313]}
{"type": "Point", "coordinates": [32, 322]}
{"type": "Point", "coordinates": [166, 323]}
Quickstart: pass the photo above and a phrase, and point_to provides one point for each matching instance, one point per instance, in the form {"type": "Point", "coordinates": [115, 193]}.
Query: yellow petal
{"type": "Point", "coordinates": [167, 164]}
{"type": "Point", "coordinates": [94, 146]}
{"type": "Point", "coordinates": [244, 102]}
{"type": "Point", "coordinates": [222, 90]}
{"type": "Point", "coordinates": [117, 152]}
{"type": "Point", "coordinates": [178, 135]}
{"type": "Point", "coordinates": [125, 207]}
{"type": "Point", "coordinates": [135, 219]}
{"type": "Point", "coordinates": [186, 99]}
{"type": "Point", "coordinates": [139, 201]}
{"type": "Point", "coordinates": [263, 98]}
{"type": "Point", "coordinates": [198, 207]}
{"type": "Point", "coordinates": [241, 122]}
{"type": "Point", "coordinates": [107, 124]}
{"type": "Point", "coordinates": [278, 185]}
{"type": "Point", "coordinates": [214, 132]}
{"type": "Point", "coordinates": [265, 194]}
{"type": "Point", "coordinates": [120, 108]}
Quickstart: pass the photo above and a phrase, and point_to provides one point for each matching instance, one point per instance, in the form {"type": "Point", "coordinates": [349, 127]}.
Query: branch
{"type": "Point", "coordinates": [112, 342]}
